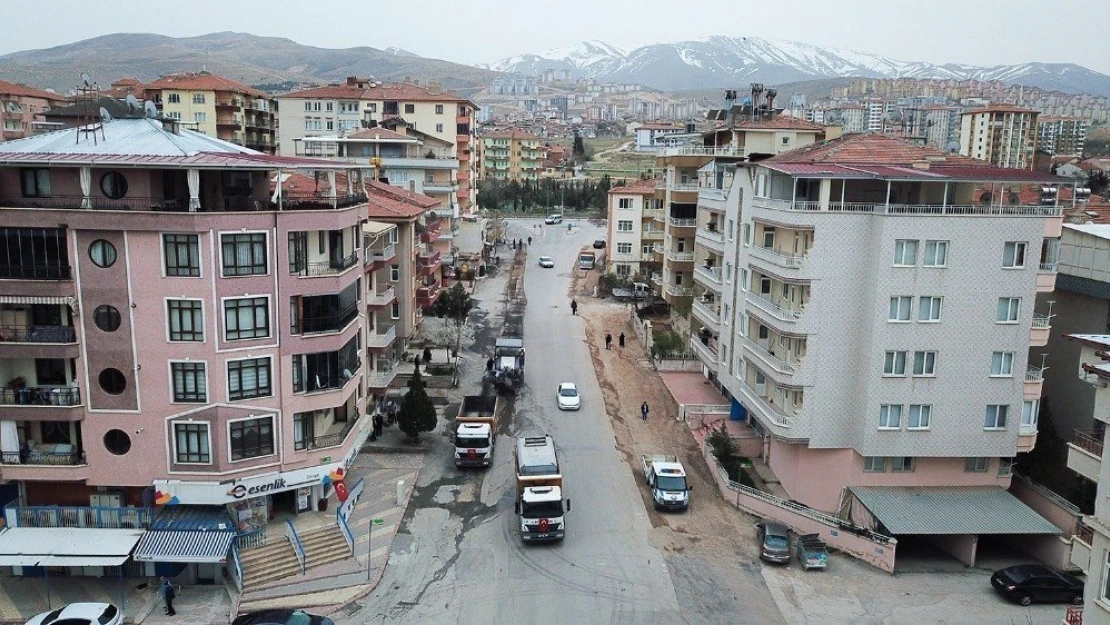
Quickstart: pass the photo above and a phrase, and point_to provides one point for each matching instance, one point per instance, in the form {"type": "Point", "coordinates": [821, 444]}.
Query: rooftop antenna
{"type": "Point", "coordinates": [90, 119]}
{"type": "Point", "coordinates": [150, 109]}
{"type": "Point", "coordinates": [133, 106]}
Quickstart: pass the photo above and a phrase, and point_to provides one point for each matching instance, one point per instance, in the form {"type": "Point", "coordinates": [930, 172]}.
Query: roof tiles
{"type": "Point", "coordinates": [203, 81]}
{"type": "Point", "coordinates": [16, 89]}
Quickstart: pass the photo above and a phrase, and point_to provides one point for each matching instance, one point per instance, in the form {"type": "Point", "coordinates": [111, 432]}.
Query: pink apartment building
{"type": "Point", "coordinates": [21, 106]}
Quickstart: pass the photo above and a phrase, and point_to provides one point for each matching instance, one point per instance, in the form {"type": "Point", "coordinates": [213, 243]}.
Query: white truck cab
{"type": "Point", "coordinates": [540, 506]}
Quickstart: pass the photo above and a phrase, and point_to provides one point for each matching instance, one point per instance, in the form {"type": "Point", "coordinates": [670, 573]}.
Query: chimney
{"type": "Point", "coordinates": [920, 165]}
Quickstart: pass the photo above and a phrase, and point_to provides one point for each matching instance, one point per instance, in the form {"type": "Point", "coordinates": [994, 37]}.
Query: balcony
{"type": "Point", "coordinates": [657, 278]}
{"type": "Point", "coordinates": [675, 290]}
{"type": "Point", "coordinates": [711, 238]}
{"type": "Point", "coordinates": [709, 277]}
{"type": "Point", "coordinates": [232, 124]}
{"type": "Point", "coordinates": [786, 261]}
{"type": "Point", "coordinates": [328, 378]}
{"type": "Point", "coordinates": [431, 232]}
{"type": "Point", "coordinates": [707, 354]}
{"type": "Point", "coordinates": [1081, 547]}
{"type": "Point", "coordinates": [652, 235]}
{"type": "Point", "coordinates": [382, 338]}
{"type": "Point", "coordinates": [1039, 332]}
{"type": "Point", "coordinates": [909, 209]}
{"type": "Point", "coordinates": [655, 213]}
{"type": "Point", "coordinates": [381, 257]}
{"type": "Point", "coordinates": [381, 299]}
{"type": "Point", "coordinates": [78, 516]}
{"type": "Point", "coordinates": [708, 313]}
{"type": "Point", "coordinates": [381, 377]}
{"type": "Point", "coordinates": [38, 334]}
{"type": "Point", "coordinates": [440, 162]}
{"type": "Point", "coordinates": [331, 267]}
{"type": "Point", "coordinates": [35, 272]}
{"type": "Point", "coordinates": [1046, 277]}
{"type": "Point", "coordinates": [66, 396]}
{"type": "Point", "coordinates": [426, 295]}
{"type": "Point", "coordinates": [677, 187]}
{"type": "Point", "coordinates": [679, 257]}
{"type": "Point", "coordinates": [335, 321]}
{"type": "Point", "coordinates": [679, 222]}
{"type": "Point", "coordinates": [697, 150]}
{"type": "Point", "coordinates": [764, 409]}
{"type": "Point", "coordinates": [769, 358]}
{"type": "Point", "coordinates": [773, 309]}
{"type": "Point", "coordinates": [441, 187]}
{"type": "Point", "coordinates": [1085, 453]}
{"type": "Point", "coordinates": [427, 263]}
{"type": "Point", "coordinates": [228, 104]}
{"type": "Point", "coordinates": [333, 439]}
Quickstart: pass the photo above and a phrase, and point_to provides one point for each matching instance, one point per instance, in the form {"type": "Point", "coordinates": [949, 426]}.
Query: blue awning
{"type": "Point", "coordinates": [183, 546]}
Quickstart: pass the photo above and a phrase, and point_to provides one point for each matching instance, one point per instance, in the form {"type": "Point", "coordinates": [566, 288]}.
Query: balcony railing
{"type": "Point", "coordinates": [78, 516]}
{"type": "Point", "coordinates": [1090, 441]}
{"type": "Point", "coordinates": [652, 235]}
{"type": "Point", "coordinates": [680, 257]}
{"type": "Point", "coordinates": [1085, 533]}
{"type": "Point", "coordinates": [789, 261]}
{"type": "Point", "coordinates": [35, 272]}
{"type": "Point", "coordinates": [774, 413]}
{"type": "Point", "coordinates": [38, 334]}
{"type": "Point", "coordinates": [290, 201]}
{"type": "Point", "coordinates": [1042, 321]}
{"type": "Point", "coordinates": [696, 150]}
{"type": "Point", "coordinates": [383, 376]}
{"type": "Point", "coordinates": [706, 353]}
{"type": "Point", "coordinates": [1034, 374]}
{"type": "Point", "coordinates": [39, 457]}
{"type": "Point", "coordinates": [383, 297]}
{"type": "Point", "coordinates": [911, 209]}
{"type": "Point", "coordinates": [333, 322]}
{"type": "Point", "coordinates": [712, 193]}
{"type": "Point", "coordinates": [383, 255]}
{"type": "Point", "coordinates": [677, 186]}
{"type": "Point", "coordinates": [675, 290]}
{"type": "Point", "coordinates": [711, 275]}
{"type": "Point", "coordinates": [657, 278]}
{"type": "Point", "coordinates": [713, 235]}
{"type": "Point", "coordinates": [775, 361]}
{"type": "Point", "coordinates": [318, 382]}
{"type": "Point", "coordinates": [678, 222]}
{"type": "Point", "coordinates": [383, 337]}
{"type": "Point", "coordinates": [329, 267]}
{"type": "Point", "coordinates": [1048, 267]}
{"type": "Point", "coordinates": [303, 202]}
{"type": "Point", "coordinates": [774, 309]}
{"type": "Point", "coordinates": [330, 440]}
{"type": "Point", "coordinates": [41, 396]}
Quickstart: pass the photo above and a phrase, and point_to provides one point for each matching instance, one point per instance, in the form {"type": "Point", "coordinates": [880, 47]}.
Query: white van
{"type": "Point", "coordinates": [554, 218]}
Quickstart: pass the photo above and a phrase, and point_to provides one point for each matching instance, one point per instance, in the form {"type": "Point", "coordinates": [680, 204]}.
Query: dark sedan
{"type": "Point", "coordinates": [1027, 583]}
{"type": "Point", "coordinates": [282, 617]}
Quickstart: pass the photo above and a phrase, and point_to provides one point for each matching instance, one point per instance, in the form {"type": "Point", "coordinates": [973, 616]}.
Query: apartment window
{"type": "Point", "coordinates": [900, 308]}
{"type": "Point", "coordinates": [308, 124]}
{"type": "Point", "coordinates": [174, 98]}
{"type": "Point", "coordinates": [768, 237]}
{"type": "Point", "coordinates": [329, 125]}
{"type": "Point", "coordinates": [728, 272]}
{"type": "Point", "coordinates": [191, 443]}
{"type": "Point", "coordinates": [874, 464]}
{"type": "Point", "coordinates": [198, 98]}
{"type": "Point", "coordinates": [764, 286]}
{"type": "Point", "coordinates": [731, 229]}
{"type": "Point", "coordinates": [185, 319]}
{"type": "Point", "coordinates": [200, 117]}
{"type": "Point", "coordinates": [624, 202]}
{"type": "Point", "coordinates": [395, 310]}
{"type": "Point", "coordinates": [624, 225]}
{"type": "Point", "coordinates": [315, 106]}
{"type": "Point", "coordinates": [905, 252]}
{"type": "Point", "coordinates": [743, 279]}
{"type": "Point", "coordinates": [410, 109]}
{"type": "Point", "coordinates": [624, 248]}
{"type": "Point", "coordinates": [174, 115]}
{"type": "Point", "coordinates": [36, 182]}
{"type": "Point", "coordinates": [439, 128]}
{"type": "Point", "coordinates": [746, 230]}
{"type": "Point", "coordinates": [924, 363]}
{"type": "Point", "coordinates": [189, 384]}
{"type": "Point", "coordinates": [1013, 255]}
{"type": "Point", "coordinates": [246, 318]}
{"type": "Point", "coordinates": [1005, 467]}
{"type": "Point", "coordinates": [1029, 409]}
{"type": "Point", "coordinates": [244, 254]}
{"type": "Point", "coordinates": [248, 378]}
{"type": "Point", "coordinates": [182, 254]}
{"type": "Point", "coordinates": [308, 107]}
{"type": "Point", "coordinates": [976, 464]}
{"type": "Point", "coordinates": [901, 464]}
{"type": "Point", "coordinates": [996, 417]}
{"type": "Point", "coordinates": [251, 438]}
{"type": "Point", "coordinates": [646, 249]}
{"type": "Point", "coordinates": [394, 273]}
{"type": "Point", "coordinates": [1008, 309]}
{"type": "Point", "coordinates": [919, 416]}
{"type": "Point", "coordinates": [303, 429]}
{"type": "Point", "coordinates": [1002, 364]}
{"type": "Point", "coordinates": [928, 309]}
{"type": "Point", "coordinates": [936, 254]}
{"type": "Point", "coordinates": [895, 363]}
{"type": "Point", "coordinates": [329, 106]}
{"type": "Point", "coordinates": [890, 416]}
{"type": "Point", "coordinates": [439, 109]}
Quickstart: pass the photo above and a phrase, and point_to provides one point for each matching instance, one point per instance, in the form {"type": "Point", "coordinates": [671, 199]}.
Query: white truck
{"type": "Point", "coordinates": [476, 430]}
{"type": "Point", "coordinates": [540, 506]}
{"type": "Point", "coordinates": [667, 480]}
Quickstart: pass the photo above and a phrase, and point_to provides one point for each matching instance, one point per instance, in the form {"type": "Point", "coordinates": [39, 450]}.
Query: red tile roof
{"type": "Point", "coordinates": [513, 133]}
{"type": "Point", "coordinates": [387, 208]}
{"type": "Point", "coordinates": [396, 91]}
{"type": "Point", "coordinates": [404, 195]}
{"type": "Point", "coordinates": [870, 149]}
{"type": "Point", "coordinates": [16, 89]}
{"type": "Point", "coordinates": [203, 81]}
{"type": "Point", "coordinates": [636, 187]}
{"type": "Point", "coordinates": [779, 123]}
{"type": "Point", "coordinates": [999, 108]}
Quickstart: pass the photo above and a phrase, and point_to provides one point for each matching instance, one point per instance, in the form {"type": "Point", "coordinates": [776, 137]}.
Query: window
{"type": "Point", "coordinates": [439, 128]}
{"type": "Point", "coordinates": [996, 417]}
{"type": "Point", "coordinates": [181, 253]}
{"type": "Point", "coordinates": [900, 308]}
{"type": "Point", "coordinates": [901, 464]}
{"type": "Point", "coordinates": [928, 309]}
{"type": "Point", "coordinates": [746, 230]}
{"type": "Point", "coordinates": [117, 442]}
{"type": "Point", "coordinates": [624, 248]}
{"type": "Point", "coordinates": [189, 383]}
{"type": "Point", "coordinates": [439, 109]}
{"type": "Point", "coordinates": [102, 253]}
{"type": "Point", "coordinates": [372, 107]}
{"type": "Point", "coordinates": [198, 98]}
{"type": "Point", "coordinates": [624, 225]}
{"type": "Point", "coordinates": [895, 363]}
{"type": "Point", "coordinates": [394, 273]}
{"type": "Point", "coordinates": [186, 320]}
{"type": "Point", "coordinates": [247, 318]}
{"type": "Point", "coordinates": [768, 237]}
{"type": "Point", "coordinates": [113, 185]}
{"type": "Point", "coordinates": [905, 252]}
{"type": "Point", "coordinates": [308, 106]}
{"type": "Point", "coordinates": [1008, 309]}
{"type": "Point", "coordinates": [303, 429]}
{"type": "Point", "coordinates": [174, 98]}
{"type": "Point", "coordinates": [920, 415]}
{"type": "Point", "coordinates": [36, 182]}
{"type": "Point", "coordinates": [924, 363]}
{"type": "Point", "coordinates": [248, 378]}
{"type": "Point", "coordinates": [395, 310]}
{"type": "Point", "coordinates": [1005, 467]}
{"type": "Point", "coordinates": [251, 438]}
{"type": "Point", "coordinates": [976, 464]}
{"type": "Point", "coordinates": [874, 464]}
{"type": "Point", "coordinates": [624, 202]}
{"type": "Point", "coordinates": [1029, 409]}
{"type": "Point", "coordinates": [112, 381]}
{"type": "Point", "coordinates": [200, 117]}
{"type": "Point", "coordinates": [244, 254]}
{"type": "Point", "coordinates": [890, 416]}
{"type": "Point", "coordinates": [410, 109]}
{"type": "Point", "coordinates": [1002, 364]}
{"type": "Point", "coordinates": [106, 318]}
{"type": "Point", "coordinates": [191, 443]}
{"type": "Point", "coordinates": [936, 254]}
{"type": "Point", "coordinates": [329, 125]}
{"type": "Point", "coordinates": [329, 106]}
{"type": "Point", "coordinates": [1013, 255]}
{"type": "Point", "coordinates": [174, 115]}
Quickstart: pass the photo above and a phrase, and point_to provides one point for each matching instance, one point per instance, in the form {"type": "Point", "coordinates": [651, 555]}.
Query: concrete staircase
{"type": "Point", "coordinates": [323, 545]}
{"type": "Point", "coordinates": [270, 562]}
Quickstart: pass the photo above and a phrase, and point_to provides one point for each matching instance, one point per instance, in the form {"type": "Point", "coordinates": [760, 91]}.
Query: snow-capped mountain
{"type": "Point", "coordinates": [718, 62]}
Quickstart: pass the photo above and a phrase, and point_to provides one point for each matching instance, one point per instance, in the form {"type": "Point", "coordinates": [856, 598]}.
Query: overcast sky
{"type": "Point", "coordinates": [976, 32]}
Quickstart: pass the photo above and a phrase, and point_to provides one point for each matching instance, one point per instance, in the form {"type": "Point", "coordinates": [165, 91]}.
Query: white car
{"type": "Point", "coordinates": [80, 614]}
{"type": "Point", "coordinates": [553, 219]}
{"type": "Point", "coordinates": [547, 261]}
{"type": "Point", "coordinates": [568, 397]}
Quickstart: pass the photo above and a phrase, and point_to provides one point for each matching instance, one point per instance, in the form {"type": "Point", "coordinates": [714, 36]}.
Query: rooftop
{"type": "Point", "coordinates": [636, 187]}
{"type": "Point", "coordinates": [514, 133]}
{"type": "Point", "coordinates": [1100, 230]}
{"type": "Point", "coordinates": [16, 89]}
{"type": "Point", "coordinates": [1000, 108]}
{"type": "Point", "coordinates": [781, 122]}
{"type": "Point", "coordinates": [203, 81]}
{"type": "Point", "coordinates": [395, 91]}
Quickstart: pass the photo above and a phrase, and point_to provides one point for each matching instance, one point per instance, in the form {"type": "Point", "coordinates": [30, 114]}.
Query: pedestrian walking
{"type": "Point", "coordinates": [489, 364]}
{"type": "Point", "coordinates": [620, 340]}
{"type": "Point", "coordinates": [379, 425]}
{"type": "Point", "coordinates": [168, 595]}
{"type": "Point", "coordinates": [644, 411]}
{"type": "Point", "coordinates": [608, 341]}
{"type": "Point", "coordinates": [573, 307]}
{"type": "Point", "coordinates": [529, 241]}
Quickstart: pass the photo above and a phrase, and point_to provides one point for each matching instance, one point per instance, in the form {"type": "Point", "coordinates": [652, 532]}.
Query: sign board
{"type": "Point", "coordinates": [218, 493]}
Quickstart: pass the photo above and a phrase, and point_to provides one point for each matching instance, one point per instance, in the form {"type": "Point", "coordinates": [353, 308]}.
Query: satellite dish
{"type": "Point", "coordinates": [85, 79]}
{"type": "Point", "coordinates": [104, 115]}
{"type": "Point", "coordinates": [894, 116]}
{"type": "Point", "coordinates": [13, 107]}
{"type": "Point", "coordinates": [133, 104]}
{"type": "Point", "coordinates": [953, 146]}
{"type": "Point", "coordinates": [151, 109]}
{"type": "Point", "coordinates": [985, 198]}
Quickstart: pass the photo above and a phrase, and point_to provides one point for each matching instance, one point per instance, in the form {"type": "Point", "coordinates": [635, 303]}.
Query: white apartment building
{"type": "Point", "coordinates": [633, 229]}
{"type": "Point", "coordinates": [845, 326]}
{"type": "Point", "coordinates": [1001, 135]}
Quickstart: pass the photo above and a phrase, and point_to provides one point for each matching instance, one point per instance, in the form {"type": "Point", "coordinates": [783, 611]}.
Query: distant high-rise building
{"type": "Point", "coordinates": [1002, 135]}
{"type": "Point", "coordinates": [1062, 136]}
{"type": "Point", "coordinates": [218, 107]}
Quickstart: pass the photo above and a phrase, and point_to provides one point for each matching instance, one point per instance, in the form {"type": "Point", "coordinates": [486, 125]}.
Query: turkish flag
{"type": "Point", "coordinates": [341, 491]}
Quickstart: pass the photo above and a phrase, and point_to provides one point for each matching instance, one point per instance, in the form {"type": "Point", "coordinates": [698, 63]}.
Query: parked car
{"type": "Point", "coordinates": [554, 218]}
{"type": "Point", "coordinates": [567, 395]}
{"type": "Point", "coordinates": [1026, 583]}
{"type": "Point", "coordinates": [282, 617]}
{"type": "Point", "coordinates": [80, 614]}
{"type": "Point", "coordinates": [774, 542]}
{"type": "Point", "coordinates": [599, 244]}
{"type": "Point", "coordinates": [547, 261]}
